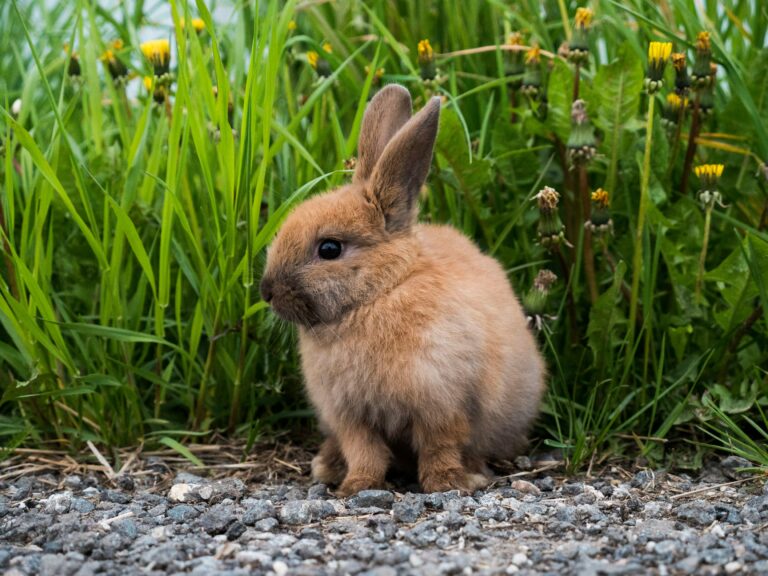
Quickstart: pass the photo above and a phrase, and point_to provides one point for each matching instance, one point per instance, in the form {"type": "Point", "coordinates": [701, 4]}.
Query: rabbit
{"type": "Point", "coordinates": [408, 334]}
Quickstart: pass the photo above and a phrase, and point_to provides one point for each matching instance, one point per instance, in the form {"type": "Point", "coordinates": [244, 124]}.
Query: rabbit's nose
{"type": "Point", "coordinates": [266, 289]}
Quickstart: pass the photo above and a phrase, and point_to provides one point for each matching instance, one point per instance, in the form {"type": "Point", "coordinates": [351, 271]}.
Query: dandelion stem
{"type": "Point", "coordinates": [675, 144]}
{"type": "Point", "coordinates": [569, 300]}
{"type": "Point", "coordinates": [703, 255]}
{"type": "Point", "coordinates": [691, 150]}
{"type": "Point", "coordinates": [565, 19]}
{"type": "Point", "coordinates": [587, 249]}
{"type": "Point", "coordinates": [637, 258]}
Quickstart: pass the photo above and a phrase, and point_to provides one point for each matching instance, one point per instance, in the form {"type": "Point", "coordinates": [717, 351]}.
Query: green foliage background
{"type": "Point", "coordinates": [134, 233]}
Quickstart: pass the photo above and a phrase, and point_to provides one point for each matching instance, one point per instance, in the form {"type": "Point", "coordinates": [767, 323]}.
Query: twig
{"type": "Point", "coordinates": [716, 486]}
{"type": "Point", "coordinates": [103, 461]}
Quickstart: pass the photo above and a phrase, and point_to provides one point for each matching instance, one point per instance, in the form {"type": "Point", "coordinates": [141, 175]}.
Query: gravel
{"type": "Point", "coordinates": [644, 522]}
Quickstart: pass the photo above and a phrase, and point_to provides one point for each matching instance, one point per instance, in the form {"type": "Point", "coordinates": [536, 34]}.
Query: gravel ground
{"type": "Point", "coordinates": [531, 523]}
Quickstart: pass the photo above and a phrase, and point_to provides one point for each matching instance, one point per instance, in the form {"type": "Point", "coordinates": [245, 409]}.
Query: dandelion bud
{"type": "Point", "coordinates": [158, 52]}
{"type": "Point", "coordinates": [707, 92]}
{"type": "Point", "coordinates": [320, 64]}
{"type": "Point", "coordinates": [709, 176]}
{"type": "Point", "coordinates": [658, 54]}
{"type": "Point", "coordinates": [671, 114]}
{"type": "Point", "coordinates": [198, 25]}
{"type": "Point", "coordinates": [515, 66]}
{"type": "Point", "coordinates": [600, 218]}
{"type": "Point", "coordinates": [581, 142]}
{"type": "Point", "coordinates": [532, 77]}
{"type": "Point", "coordinates": [426, 60]}
{"type": "Point", "coordinates": [116, 68]}
{"type": "Point", "coordinates": [682, 81]}
{"type": "Point", "coordinates": [551, 229]}
{"type": "Point", "coordinates": [578, 47]}
{"type": "Point", "coordinates": [377, 75]}
{"type": "Point", "coordinates": [700, 76]}
{"type": "Point", "coordinates": [535, 300]}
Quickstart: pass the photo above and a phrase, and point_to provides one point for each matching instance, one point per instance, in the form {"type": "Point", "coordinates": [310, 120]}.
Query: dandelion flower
{"type": "Point", "coordinates": [158, 52]}
{"type": "Point", "coordinates": [658, 55]}
{"type": "Point", "coordinates": [426, 60]}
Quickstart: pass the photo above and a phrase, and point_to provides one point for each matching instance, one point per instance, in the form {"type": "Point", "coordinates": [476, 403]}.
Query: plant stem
{"type": "Point", "coordinates": [691, 150]}
{"type": "Point", "coordinates": [703, 255]}
{"type": "Point", "coordinates": [9, 267]}
{"type": "Point", "coordinates": [675, 145]}
{"type": "Point", "coordinates": [569, 300]}
{"type": "Point", "coordinates": [637, 258]}
{"type": "Point", "coordinates": [588, 251]}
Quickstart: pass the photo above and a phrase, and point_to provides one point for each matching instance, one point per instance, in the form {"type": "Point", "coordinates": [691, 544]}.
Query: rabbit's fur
{"type": "Point", "coordinates": [411, 337]}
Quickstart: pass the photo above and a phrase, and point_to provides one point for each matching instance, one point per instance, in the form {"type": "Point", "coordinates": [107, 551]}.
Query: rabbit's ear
{"type": "Point", "coordinates": [387, 112]}
{"type": "Point", "coordinates": [403, 167]}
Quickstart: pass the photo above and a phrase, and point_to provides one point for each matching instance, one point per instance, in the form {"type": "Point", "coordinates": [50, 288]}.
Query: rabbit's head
{"type": "Point", "coordinates": [340, 250]}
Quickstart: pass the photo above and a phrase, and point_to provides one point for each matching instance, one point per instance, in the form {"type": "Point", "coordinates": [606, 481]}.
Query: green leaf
{"type": "Point", "coordinates": [604, 317]}
{"type": "Point", "coordinates": [181, 449]}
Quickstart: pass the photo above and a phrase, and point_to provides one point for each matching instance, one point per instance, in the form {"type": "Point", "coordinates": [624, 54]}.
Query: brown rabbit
{"type": "Point", "coordinates": [409, 335]}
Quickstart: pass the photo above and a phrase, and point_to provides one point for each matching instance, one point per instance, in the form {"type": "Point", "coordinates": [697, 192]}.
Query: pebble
{"type": "Point", "coordinates": [305, 511]}
{"type": "Point", "coordinates": [610, 525]}
{"type": "Point", "coordinates": [372, 498]}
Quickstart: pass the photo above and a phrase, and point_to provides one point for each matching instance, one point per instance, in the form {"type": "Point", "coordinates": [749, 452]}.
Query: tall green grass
{"type": "Point", "coordinates": [134, 233]}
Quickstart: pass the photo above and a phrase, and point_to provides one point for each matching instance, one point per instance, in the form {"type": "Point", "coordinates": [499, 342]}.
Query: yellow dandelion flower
{"type": "Point", "coordinates": [515, 39]}
{"type": "Point", "coordinates": [291, 25]}
{"type": "Point", "coordinates": [426, 54]}
{"type": "Point", "coordinates": [709, 171]}
{"type": "Point", "coordinates": [327, 48]}
{"type": "Point", "coordinates": [584, 17]}
{"type": "Point", "coordinates": [703, 43]}
{"type": "Point", "coordinates": [601, 197]}
{"type": "Point", "coordinates": [117, 44]}
{"type": "Point", "coordinates": [678, 61]}
{"type": "Point", "coordinates": [312, 58]}
{"type": "Point", "coordinates": [533, 55]}
{"type": "Point", "coordinates": [158, 52]}
{"type": "Point", "coordinates": [659, 52]}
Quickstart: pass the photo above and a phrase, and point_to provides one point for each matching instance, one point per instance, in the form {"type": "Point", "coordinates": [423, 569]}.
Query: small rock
{"type": "Point", "coordinates": [733, 567]}
{"type": "Point", "coordinates": [204, 492]}
{"type": "Point", "coordinates": [216, 520]}
{"type": "Point", "coordinates": [519, 559]}
{"type": "Point", "coordinates": [572, 489]}
{"type": "Point", "coordinates": [546, 484]}
{"type": "Point", "coordinates": [235, 530]}
{"type": "Point", "coordinates": [305, 511]}
{"type": "Point", "coordinates": [523, 463]}
{"type": "Point", "coordinates": [188, 478]}
{"type": "Point", "coordinates": [372, 498]}
{"type": "Point", "coordinates": [306, 549]}
{"type": "Point", "coordinates": [258, 511]}
{"type": "Point", "coordinates": [280, 568]}
{"type": "Point", "coordinates": [407, 510]}
{"type": "Point", "coordinates": [73, 482]}
{"type": "Point", "coordinates": [732, 466]}
{"type": "Point", "coordinates": [183, 513]}
{"type": "Point", "coordinates": [645, 480]}
{"type": "Point", "coordinates": [59, 503]}
{"type": "Point", "coordinates": [525, 487]}
{"type": "Point", "coordinates": [181, 492]}
{"type": "Point", "coordinates": [127, 528]}
{"type": "Point", "coordinates": [125, 482]}
{"type": "Point", "coordinates": [697, 513]}
{"type": "Point", "coordinates": [266, 525]}
{"type": "Point", "coordinates": [317, 492]}
{"type": "Point", "coordinates": [117, 497]}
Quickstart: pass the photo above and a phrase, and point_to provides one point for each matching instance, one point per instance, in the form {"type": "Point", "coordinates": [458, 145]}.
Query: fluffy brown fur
{"type": "Point", "coordinates": [411, 337]}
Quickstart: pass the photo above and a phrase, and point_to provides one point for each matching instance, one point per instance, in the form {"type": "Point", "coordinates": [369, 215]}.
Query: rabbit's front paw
{"type": "Point", "coordinates": [327, 471]}
{"type": "Point", "coordinates": [450, 479]}
{"type": "Point", "coordinates": [354, 484]}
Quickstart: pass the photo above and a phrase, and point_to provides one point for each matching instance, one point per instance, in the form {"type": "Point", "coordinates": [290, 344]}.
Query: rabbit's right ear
{"type": "Point", "coordinates": [387, 112]}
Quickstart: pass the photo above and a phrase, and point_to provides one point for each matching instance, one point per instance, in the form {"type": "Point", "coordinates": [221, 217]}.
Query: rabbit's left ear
{"type": "Point", "coordinates": [403, 167]}
{"type": "Point", "coordinates": [387, 112]}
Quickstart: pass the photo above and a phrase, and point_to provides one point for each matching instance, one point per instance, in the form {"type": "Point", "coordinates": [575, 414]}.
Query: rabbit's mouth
{"type": "Point", "coordinates": [296, 308]}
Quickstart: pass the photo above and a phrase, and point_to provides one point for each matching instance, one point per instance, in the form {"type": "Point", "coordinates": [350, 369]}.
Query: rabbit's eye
{"type": "Point", "coordinates": [329, 249]}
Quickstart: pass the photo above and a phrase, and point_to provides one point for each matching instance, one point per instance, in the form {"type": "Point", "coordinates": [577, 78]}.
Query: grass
{"type": "Point", "coordinates": [134, 231]}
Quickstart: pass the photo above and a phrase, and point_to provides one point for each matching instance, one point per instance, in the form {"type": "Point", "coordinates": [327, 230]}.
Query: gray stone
{"type": "Point", "coordinates": [408, 509]}
{"type": "Point", "coordinates": [731, 466]}
{"type": "Point", "coordinates": [116, 496]}
{"type": "Point", "coordinates": [372, 498]}
{"type": "Point", "coordinates": [258, 511]}
{"type": "Point", "coordinates": [266, 525]}
{"type": "Point", "coordinates": [235, 530]}
{"type": "Point", "coordinates": [697, 513]}
{"type": "Point", "coordinates": [183, 513]}
{"type": "Point", "coordinates": [298, 512]}
{"type": "Point", "coordinates": [317, 492]}
{"type": "Point", "coordinates": [546, 484]}
{"type": "Point", "coordinates": [127, 528]}
{"type": "Point", "coordinates": [307, 549]}
{"type": "Point", "coordinates": [217, 519]}
{"type": "Point", "coordinates": [59, 503]}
